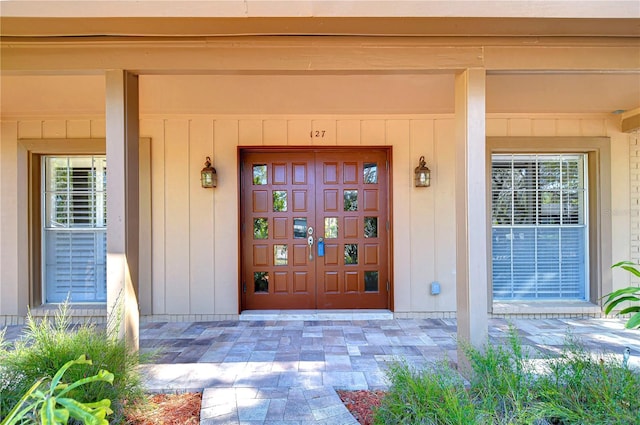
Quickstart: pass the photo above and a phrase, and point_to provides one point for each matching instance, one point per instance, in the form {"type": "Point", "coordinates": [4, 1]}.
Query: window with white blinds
{"type": "Point", "coordinates": [539, 227]}
{"type": "Point", "coordinates": [74, 228]}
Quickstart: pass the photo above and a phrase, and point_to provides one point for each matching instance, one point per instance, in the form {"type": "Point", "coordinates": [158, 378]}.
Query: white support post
{"type": "Point", "coordinates": [471, 210]}
{"type": "Point", "coordinates": [122, 122]}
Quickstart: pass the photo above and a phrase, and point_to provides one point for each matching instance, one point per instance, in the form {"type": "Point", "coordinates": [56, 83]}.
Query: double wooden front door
{"type": "Point", "coordinates": [315, 229]}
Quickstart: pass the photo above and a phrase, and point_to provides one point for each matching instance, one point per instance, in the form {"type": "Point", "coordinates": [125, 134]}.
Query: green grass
{"type": "Point", "coordinates": [583, 388]}
{"type": "Point", "coordinates": [48, 344]}
{"type": "Point", "coordinates": [434, 396]}
{"type": "Point", "coordinates": [577, 387]}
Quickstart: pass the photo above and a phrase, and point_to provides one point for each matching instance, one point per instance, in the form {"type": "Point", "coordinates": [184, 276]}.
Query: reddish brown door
{"type": "Point", "coordinates": [292, 201]}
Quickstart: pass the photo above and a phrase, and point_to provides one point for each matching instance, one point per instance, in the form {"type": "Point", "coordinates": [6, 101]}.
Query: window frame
{"type": "Point", "coordinates": [534, 218]}
{"type": "Point", "coordinates": [69, 227]}
{"type": "Point", "coordinates": [36, 149]}
{"type": "Point", "coordinates": [598, 180]}
{"type": "Point", "coordinates": [28, 198]}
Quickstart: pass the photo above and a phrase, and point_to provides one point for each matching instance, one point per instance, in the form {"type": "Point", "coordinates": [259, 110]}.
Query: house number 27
{"type": "Point", "coordinates": [319, 134]}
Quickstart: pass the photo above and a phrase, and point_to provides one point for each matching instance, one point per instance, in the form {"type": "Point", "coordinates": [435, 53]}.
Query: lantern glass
{"type": "Point", "coordinates": [208, 176]}
{"type": "Point", "coordinates": [422, 174]}
{"type": "Point", "coordinates": [422, 179]}
{"type": "Point", "coordinates": [206, 179]}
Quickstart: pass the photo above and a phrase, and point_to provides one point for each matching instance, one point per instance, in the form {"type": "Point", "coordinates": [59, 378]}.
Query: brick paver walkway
{"type": "Point", "coordinates": [285, 372]}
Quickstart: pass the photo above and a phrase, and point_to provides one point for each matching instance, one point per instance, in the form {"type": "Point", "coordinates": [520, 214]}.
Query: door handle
{"type": "Point", "coordinates": [310, 242]}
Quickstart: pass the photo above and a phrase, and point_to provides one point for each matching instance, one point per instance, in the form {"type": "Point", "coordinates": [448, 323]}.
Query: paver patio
{"type": "Point", "coordinates": [286, 371]}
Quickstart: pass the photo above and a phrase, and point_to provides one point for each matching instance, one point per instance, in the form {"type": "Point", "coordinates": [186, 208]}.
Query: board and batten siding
{"type": "Point", "coordinates": [621, 215]}
{"type": "Point", "coordinates": [195, 230]}
{"type": "Point", "coordinates": [189, 247]}
{"type": "Point", "coordinates": [14, 222]}
{"type": "Point", "coordinates": [14, 239]}
{"type": "Point", "coordinates": [423, 224]}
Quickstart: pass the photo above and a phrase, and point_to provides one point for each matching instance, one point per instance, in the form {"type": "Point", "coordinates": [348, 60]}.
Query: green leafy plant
{"type": "Point", "coordinates": [52, 407]}
{"type": "Point", "coordinates": [630, 294]}
{"type": "Point", "coordinates": [501, 381]}
{"type": "Point", "coordinates": [436, 395]}
{"type": "Point", "coordinates": [507, 387]}
{"type": "Point", "coordinates": [47, 344]}
{"type": "Point", "coordinates": [583, 387]}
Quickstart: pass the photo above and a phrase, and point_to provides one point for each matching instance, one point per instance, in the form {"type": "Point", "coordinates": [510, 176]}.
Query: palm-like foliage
{"type": "Point", "coordinates": [49, 406]}
{"type": "Point", "coordinates": [630, 294]}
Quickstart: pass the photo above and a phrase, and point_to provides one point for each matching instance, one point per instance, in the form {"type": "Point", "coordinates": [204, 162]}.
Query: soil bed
{"type": "Point", "coordinates": [167, 409]}
{"type": "Point", "coordinates": [361, 404]}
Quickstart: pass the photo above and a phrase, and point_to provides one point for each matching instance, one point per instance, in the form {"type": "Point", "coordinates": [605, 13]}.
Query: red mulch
{"type": "Point", "coordinates": [361, 404]}
{"type": "Point", "coordinates": [167, 409]}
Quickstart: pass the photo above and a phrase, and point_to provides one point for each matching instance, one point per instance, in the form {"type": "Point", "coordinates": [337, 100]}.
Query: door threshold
{"type": "Point", "coordinates": [315, 315]}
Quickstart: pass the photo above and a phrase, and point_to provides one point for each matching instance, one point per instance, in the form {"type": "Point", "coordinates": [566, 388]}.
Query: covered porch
{"type": "Point", "coordinates": [158, 105]}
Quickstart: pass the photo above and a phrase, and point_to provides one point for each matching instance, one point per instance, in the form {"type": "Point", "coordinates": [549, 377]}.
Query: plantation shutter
{"type": "Point", "coordinates": [539, 227]}
{"type": "Point", "coordinates": [74, 231]}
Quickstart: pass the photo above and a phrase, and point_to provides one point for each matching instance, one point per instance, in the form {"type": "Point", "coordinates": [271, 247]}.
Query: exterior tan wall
{"type": "Point", "coordinates": [190, 284]}
{"type": "Point", "coordinates": [12, 276]}
{"type": "Point", "coordinates": [191, 266]}
{"type": "Point", "coordinates": [50, 136]}
{"type": "Point", "coordinates": [585, 126]}
{"type": "Point", "coordinates": [195, 242]}
{"type": "Point", "coordinates": [634, 197]}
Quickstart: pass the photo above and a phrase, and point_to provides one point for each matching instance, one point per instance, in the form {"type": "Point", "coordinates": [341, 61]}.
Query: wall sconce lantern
{"type": "Point", "coordinates": [208, 176]}
{"type": "Point", "coordinates": [422, 174]}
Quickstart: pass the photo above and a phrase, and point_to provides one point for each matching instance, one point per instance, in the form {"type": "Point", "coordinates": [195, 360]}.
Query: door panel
{"type": "Point", "coordinates": [351, 204]}
{"type": "Point", "coordinates": [278, 205]}
{"type": "Point", "coordinates": [337, 197]}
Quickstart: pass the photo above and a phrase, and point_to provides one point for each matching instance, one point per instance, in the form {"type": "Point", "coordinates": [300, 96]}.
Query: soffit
{"type": "Point", "coordinates": [323, 8]}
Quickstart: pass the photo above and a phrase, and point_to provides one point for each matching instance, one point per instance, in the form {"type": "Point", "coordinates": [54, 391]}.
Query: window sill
{"type": "Point", "coordinates": [546, 307]}
{"type": "Point", "coordinates": [78, 312]}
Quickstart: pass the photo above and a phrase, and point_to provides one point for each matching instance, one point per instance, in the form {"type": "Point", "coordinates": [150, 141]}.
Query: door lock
{"type": "Point", "coordinates": [320, 247]}
{"type": "Point", "coordinates": [310, 242]}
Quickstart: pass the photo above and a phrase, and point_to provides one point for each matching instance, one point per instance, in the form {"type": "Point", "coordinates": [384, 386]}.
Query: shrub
{"type": "Point", "coordinates": [501, 381]}
{"type": "Point", "coordinates": [585, 388]}
{"type": "Point", "coordinates": [432, 396]}
{"type": "Point", "coordinates": [575, 387]}
{"type": "Point", "coordinates": [48, 344]}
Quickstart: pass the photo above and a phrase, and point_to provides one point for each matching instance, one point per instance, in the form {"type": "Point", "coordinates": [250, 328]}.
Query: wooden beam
{"type": "Point", "coordinates": [307, 55]}
{"type": "Point", "coordinates": [577, 58]}
{"type": "Point", "coordinates": [409, 25]}
{"type": "Point", "coordinates": [631, 123]}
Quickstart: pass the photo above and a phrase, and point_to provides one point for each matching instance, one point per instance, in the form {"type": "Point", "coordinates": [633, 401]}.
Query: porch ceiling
{"type": "Point", "coordinates": [322, 94]}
